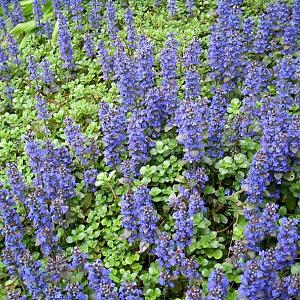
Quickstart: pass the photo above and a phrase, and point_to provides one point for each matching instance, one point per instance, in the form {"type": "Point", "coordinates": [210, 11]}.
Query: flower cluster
{"type": "Point", "coordinates": [88, 45]}
{"type": "Point", "coordinates": [189, 119]}
{"type": "Point", "coordinates": [95, 14]}
{"type": "Point", "coordinates": [32, 68]}
{"type": "Point", "coordinates": [47, 74]}
{"type": "Point", "coordinates": [168, 61]}
{"type": "Point", "coordinates": [77, 141]}
{"type": "Point", "coordinates": [64, 42]}
{"type": "Point", "coordinates": [184, 225]}
{"type": "Point", "coordinates": [191, 61]}
{"type": "Point", "coordinates": [41, 107]}
{"type": "Point", "coordinates": [99, 281]}
{"type": "Point", "coordinates": [154, 112]}
{"type": "Point", "coordinates": [110, 16]}
{"type": "Point", "coordinates": [145, 64]}
{"type": "Point", "coordinates": [105, 61]}
{"type": "Point", "coordinates": [131, 34]}
{"type": "Point", "coordinates": [16, 256]}
{"type": "Point", "coordinates": [129, 290]}
{"type": "Point", "coordinates": [172, 7]}
{"type": "Point", "coordinates": [126, 75]}
{"type": "Point", "coordinates": [217, 285]}
{"type": "Point", "coordinates": [138, 143]}
{"type": "Point", "coordinates": [112, 121]}
{"type": "Point", "coordinates": [146, 215]}
{"type": "Point", "coordinates": [216, 119]}
{"type": "Point", "coordinates": [226, 47]}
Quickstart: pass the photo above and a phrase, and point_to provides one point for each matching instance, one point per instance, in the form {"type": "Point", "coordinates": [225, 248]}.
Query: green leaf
{"type": "Point", "coordinates": [54, 34]}
{"type": "Point", "coordinates": [23, 28]}
{"type": "Point", "coordinates": [217, 254]}
{"type": "Point", "coordinates": [155, 191]}
{"type": "Point", "coordinates": [81, 236]}
{"type": "Point", "coordinates": [295, 269]}
{"type": "Point", "coordinates": [290, 202]}
{"type": "Point", "coordinates": [143, 170]}
{"type": "Point", "coordinates": [10, 281]}
{"type": "Point", "coordinates": [205, 272]}
{"type": "Point", "coordinates": [69, 239]}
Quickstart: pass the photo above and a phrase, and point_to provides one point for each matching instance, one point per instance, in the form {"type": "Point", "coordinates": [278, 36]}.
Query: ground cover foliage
{"type": "Point", "coordinates": [149, 149]}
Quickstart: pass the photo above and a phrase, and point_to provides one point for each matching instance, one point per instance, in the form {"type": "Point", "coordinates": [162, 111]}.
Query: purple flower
{"type": "Point", "coordinates": [257, 179]}
{"type": "Point", "coordinates": [16, 257]}
{"type": "Point", "coordinates": [13, 49]}
{"type": "Point", "coordinates": [64, 41]}
{"type": "Point", "coordinates": [285, 72]}
{"type": "Point", "coordinates": [3, 60]}
{"type": "Point", "coordinates": [226, 47]}
{"type": "Point", "coordinates": [125, 69]}
{"type": "Point", "coordinates": [172, 7]}
{"type": "Point", "coordinates": [190, 5]}
{"type": "Point", "coordinates": [138, 143]}
{"type": "Point", "coordinates": [196, 177]}
{"type": "Point", "coordinates": [287, 240]}
{"type": "Point", "coordinates": [74, 292]}
{"type": "Point", "coordinates": [168, 61]}
{"type": "Point", "coordinates": [275, 139]}
{"type": "Point", "coordinates": [99, 281]}
{"type": "Point", "coordinates": [146, 215]}
{"type": "Point", "coordinates": [294, 134]}
{"type": "Point", "coordinates": [217, 285]}
{"type": "Point", "coordinates": [292, 283]}
{"type": "Point", "coordinates": [113, 124]}
{"type": "Point", "coordinates": [2, 24]}
{"type": "Point", "coordinates": [260, 225]}
{"type": "Point", "coordinates": [193, 293]}
{"type": "Point", "coordinates": [257, 78]}
{"type": "Point", "coordinates": [37, 12]}
{"type": "Point", "coordinates": [32, 68]}
{"type": "Point", "coordinates": [52, 293]}
{"type": "Point", "coordinates": [41, 107]}
{"type": "Point", "coordinates": [47, 74]}
{"type": "Point", "coordinates": [57, 7]}
{"type": "Point", "coordinates": [9, 92]}
{"type": "Point", "coordinates": [261, 42]}
{"type": "Point", "coordinates": [216, 119]}
{"type": "Point", "coordinates": [110, 16]}
{"type": "Point", "coordinates": [256, 283]}
{"type": "Point", "coordinates": [249, 26]}
{"type": "Point", "coordinates": [184, 225]}
{"type": "Point", "coordinates": [95, 14]}
{"type": "Point", "coordinates": [154, 112]}
{"type": "Point", "coordinates": [130, 291]}
{"type": "Point", "coordinates": [129, 215]}
{"type": "Point", "coordinates": [189, 269]}
{"type": "Point", "coordinates": [76, 140]}
{"type": "Point", "coordinates": [164, 250]}
{"type": "Point", "coordinates": [54, 184]}
{"type": "Point", "coordinates": [75, 8]}
{"type": "Point", "coordinates": [56, 266]}
{"type": "Point", "coordinates": [16, 16]}
{"type": "Point", "coordinates": [90, 177]}
{"type": "Point", "coordinates": [196, 203]}
{"type": "Point", "coordinates": [189, 119]}
{"type": "Point", "coordinates": [16, 181]}
{"type": "Point", "coordinates": [145, 65]}
{"type": "Point", "coordinates": [130, 29]}
{"type": "Point", "coordinates": [105, 61]}
{"type": "Point", "coordinates": [79, 258]}
{"type": "Point", "coordinates": [88, 45]}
